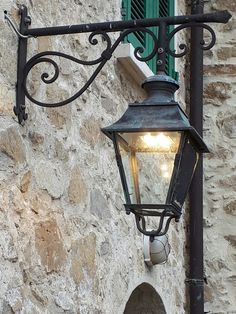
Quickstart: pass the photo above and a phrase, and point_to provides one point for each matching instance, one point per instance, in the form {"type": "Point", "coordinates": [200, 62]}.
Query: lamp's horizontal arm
{"type": "Point", "coordinates": [216, 17]}
{"type": "Point", "coordinates": [161, 47]}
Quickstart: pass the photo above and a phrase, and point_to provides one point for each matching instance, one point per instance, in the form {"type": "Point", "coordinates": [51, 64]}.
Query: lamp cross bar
{"type": "Point", "coordinates": [160, 49]}
{"type": "Point", "coordinates": [116, 26]}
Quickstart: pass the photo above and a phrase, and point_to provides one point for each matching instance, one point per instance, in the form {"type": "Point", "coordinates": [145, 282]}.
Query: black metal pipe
{"type": "Point", "coordinates": [196, 282]}
{"type": "Point", "coordinates": [115, 26]}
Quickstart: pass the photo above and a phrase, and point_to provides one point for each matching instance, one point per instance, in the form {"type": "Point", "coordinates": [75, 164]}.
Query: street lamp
{"type": "Point", "coordinates": [157, 152]}
{"type": "Point", "coordinates": [156, 148]}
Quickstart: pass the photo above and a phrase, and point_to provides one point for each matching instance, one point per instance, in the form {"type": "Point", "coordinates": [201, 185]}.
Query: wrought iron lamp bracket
{"type": "Point", "coordinates": [161, 47]}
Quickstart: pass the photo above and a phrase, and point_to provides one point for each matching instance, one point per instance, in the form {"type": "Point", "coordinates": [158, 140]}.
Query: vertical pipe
{"type": "Point", "coordinates": [196, 288]}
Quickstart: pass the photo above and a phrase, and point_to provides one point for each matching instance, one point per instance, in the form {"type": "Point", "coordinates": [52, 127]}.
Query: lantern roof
{"type": "Point", "coordinates": [159, 112]}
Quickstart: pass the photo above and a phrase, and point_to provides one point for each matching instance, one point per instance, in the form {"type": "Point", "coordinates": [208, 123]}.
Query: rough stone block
{"type": "Point", "coordinates": [231, 239]}
{"type": "Point", "coordinates": [84, 258]}
{"type": "Point", "coordinates": [49, 246]}
{"type": "Point", "coordinates": [36, 138]}
{"type": "Point", "coordinates": [224, 5]}
{"type": "Point", "coordinates": [64, 301]}
{"type": "Point", "coordinates": [230, 208]}
{"type": "Point", "coordinates": [77, 190]}
{"type": "Point", "coordinates": [59, 117]}
{"type": "Point", "coordinates": [216, 92]}
{"type": "Point", "coordinates": [98, 205]}
{"type": "Point", "coordinates": [51, 178]}
{"type": "Point", "coordinates": [90, 131]}
{"type": "Point", "coordinates": [225, 53]}
{"type": "Point", "coordinates": [220, 69]}
{"type": "Point", "coordinates": [14, 299]}
{"type": "Point", "coordinates": [25, 182]}
{"type": "Point", "coordinates": [8, 248]}
{"type": "Point", "coordinates": [227, 125]}
{"type": "Point", "coordinates": [12, 144]}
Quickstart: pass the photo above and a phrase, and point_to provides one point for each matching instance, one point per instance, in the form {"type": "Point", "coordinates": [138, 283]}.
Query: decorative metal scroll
{"type": "Point", "coordinates": [106, 55]}
{"type": "Point", "coordinates": [101, 61]}
{"type": "Point", "coordinates": [161, 47]}
{"type": "Point", "coordinates": [184, 47]}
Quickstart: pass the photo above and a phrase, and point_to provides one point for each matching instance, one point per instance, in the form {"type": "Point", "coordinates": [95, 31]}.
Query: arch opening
{"type": "Point", "coordinates": [144, 300]}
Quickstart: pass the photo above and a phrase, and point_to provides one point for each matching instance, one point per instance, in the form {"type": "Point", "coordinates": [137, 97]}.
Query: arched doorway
{"type": "Point", "coordinates": [144, 300]}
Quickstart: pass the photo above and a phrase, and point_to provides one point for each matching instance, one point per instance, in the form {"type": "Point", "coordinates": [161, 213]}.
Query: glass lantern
{"type": "Point", "coordinates": [157, 152]}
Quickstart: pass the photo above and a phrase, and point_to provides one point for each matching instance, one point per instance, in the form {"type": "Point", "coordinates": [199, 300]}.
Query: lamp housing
{"type": "Point", "coordinates": [157, 151]}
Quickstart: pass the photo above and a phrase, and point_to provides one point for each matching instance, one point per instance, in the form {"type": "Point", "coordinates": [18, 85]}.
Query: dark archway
{"type": "Point", "coordinates": [144, 300]}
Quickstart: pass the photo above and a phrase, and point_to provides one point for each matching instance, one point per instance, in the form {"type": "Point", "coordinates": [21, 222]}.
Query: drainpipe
{"type": "Point", "coordinates": [196, 282]}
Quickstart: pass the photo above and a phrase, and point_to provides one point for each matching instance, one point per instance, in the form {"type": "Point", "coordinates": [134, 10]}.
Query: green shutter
{"type": "Point", "coordinates": [166, 8]}
{"type": "Point", "coordinates": [140, 9]}
{"type": "Point", "coordinates": [133, 10]}
{"type": "Point", "coordinates": [151, 12]}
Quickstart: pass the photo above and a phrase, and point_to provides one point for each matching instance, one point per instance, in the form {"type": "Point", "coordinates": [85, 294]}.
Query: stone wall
{"type": "Point", "coordinates": [220, 166]}
{"type": "Point", "coordinates": [66, 244]}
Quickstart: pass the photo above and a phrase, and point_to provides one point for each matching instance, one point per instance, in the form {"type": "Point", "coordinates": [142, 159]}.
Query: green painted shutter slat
{"type": "Point", "coordinates": [137, 11]}
{"type": "Point", "coordinates": [170, 68]}
{"type": "Point", "coordinates": [151, 12]}
{"type": "Point", "coordinates": [140, 9]}
{"type": "Point", "coordinates": [164, 8]}
{"type": "Point", "coordinates": [136, 38]}
{"type": "Point", "coordinates": [136, 14]}
{"type": "Point", "coordinates": [139, 5]}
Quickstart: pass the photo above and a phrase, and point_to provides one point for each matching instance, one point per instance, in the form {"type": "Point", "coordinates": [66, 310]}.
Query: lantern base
{"type": "Point", "coordinates": [165, 213]}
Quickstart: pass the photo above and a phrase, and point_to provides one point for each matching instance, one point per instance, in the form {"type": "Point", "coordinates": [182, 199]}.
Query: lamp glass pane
{"type": "Point", "coordinates": [148, 161]}
{"type": "Point", "coordinates": [186, 168]}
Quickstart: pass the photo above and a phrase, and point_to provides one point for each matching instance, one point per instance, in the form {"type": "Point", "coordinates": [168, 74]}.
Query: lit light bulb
{"type": "Point", "coordinates": [165, 171]}
{"type": "Point", "coordinates": [166, 175]}
{"type": "Point", "coordinates": [164, 167]}
{"type": "Point", "coordinates": [162, 141]}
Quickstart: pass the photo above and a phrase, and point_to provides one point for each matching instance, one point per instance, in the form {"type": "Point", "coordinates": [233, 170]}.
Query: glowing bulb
{"type": "Point", "coordinates": [162, 141]}
{"type": "Point", "coordinates": [149, 139]}
{"type": "Point", "coordinates": [164, 167]}
{"type": "Point", "coordinates": [166, 174]}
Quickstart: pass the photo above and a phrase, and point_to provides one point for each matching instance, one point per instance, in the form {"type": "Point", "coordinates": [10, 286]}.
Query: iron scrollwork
{"type": "Point", "coordinates": [101, 61]}
{"type": "Point", "coordinates": [161, 47]}
{"type": "Point", "coordinates": [106, 55]}
{"type": "Point", "coordinates": [184, 47]}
